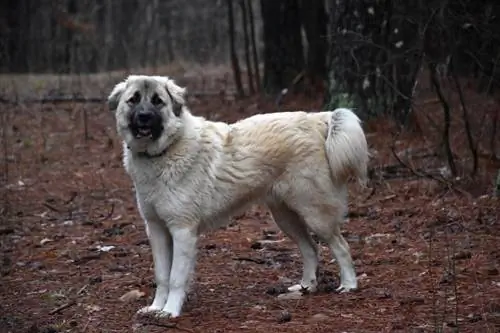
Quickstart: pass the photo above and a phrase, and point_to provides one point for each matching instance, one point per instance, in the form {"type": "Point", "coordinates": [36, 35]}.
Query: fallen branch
{"type": "Point", "coordinates": [386, 198]}
{"type": "Point", "coordinates": [423, 174]}
{"type": "Point", "coordinates": [257, 261]}
{"type": "Point", "coordinates": [168, 325]}
{"type": "Point", "coordinates": [52, 208]}
{"type": "Point", "coordinates": [109, 214]}
{"type": "Point", "coordinates": [63, 307]}
{"type": "Point", "coordinates": [87, 258]}
{"type": "Point", "coordinates": [82, 289]}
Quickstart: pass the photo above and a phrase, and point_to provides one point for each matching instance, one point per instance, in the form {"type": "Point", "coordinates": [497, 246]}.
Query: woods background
{"type": "Point", "coordinates": [371, 55]}
{"type": "Point", "coordinates": [424, 76]}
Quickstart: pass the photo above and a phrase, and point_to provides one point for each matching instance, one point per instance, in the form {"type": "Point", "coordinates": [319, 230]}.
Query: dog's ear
{"type": "Point", "coordinates": [114, 97]}
{"type": "Point", "coordinates": [175, 92]}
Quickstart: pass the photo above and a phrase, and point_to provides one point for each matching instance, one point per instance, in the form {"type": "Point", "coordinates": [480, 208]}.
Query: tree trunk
{"type": "Point", "coordinates": [232, 49]}
{"type": "Point", "coordinates": [254, 46]}
{"type": "Point", "coordinates": [283, 51]}
{"type": "Point", "coordinates": [247, 46]}
{"type": "Point", "coordinates": [314, 20]}
{"type": "Point", "coordinates": [169, 45]}
{"type": "Point", "coordinates": [497, 185]}
{"type": "Point", "coordinates": [373, 60]}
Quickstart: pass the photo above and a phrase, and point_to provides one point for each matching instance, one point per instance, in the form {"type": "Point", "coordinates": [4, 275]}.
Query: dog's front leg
{"type": "Point", "coordinates": [184, 260]}
{"type": "Point", "coordinates": [160, 241]}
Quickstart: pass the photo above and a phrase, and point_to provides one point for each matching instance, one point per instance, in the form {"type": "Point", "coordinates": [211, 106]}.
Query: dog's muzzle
{"type": "Point", "coordinates": [146, 121]}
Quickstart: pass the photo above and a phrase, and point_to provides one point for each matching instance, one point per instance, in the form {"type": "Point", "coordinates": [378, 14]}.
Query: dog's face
{"type": "Point", "coordinates": [148, 112]}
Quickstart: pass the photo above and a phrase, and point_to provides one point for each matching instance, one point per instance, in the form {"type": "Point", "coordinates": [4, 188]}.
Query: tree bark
{"type": "Point", "coordinates": [283, 50]}
{"type": "Point", "coordinates": [373, 60]}
{"type": "Point", "coordinates": [497, 184]}
{"type": "Point", "coordinates": [314, 20]}
{"type": "Point", "coordinates": [232, 49]}
{"type": "Point", "coordinates": [247, 45]}
{"type": "Point", "coordinates": [254, 45]}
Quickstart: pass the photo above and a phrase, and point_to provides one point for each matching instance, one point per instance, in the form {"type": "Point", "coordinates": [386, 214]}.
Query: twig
{"type": "Point", "coordinates": [71, 198]}
{"type": "Point", "coordinates": [5, 178]}
{"type": "Point", "coordinates": [423, 174]}
{"type": "Point", "coordinates": [62, 307]}
{"type": "Point", "coordinates": [109, 214]}
{"type": "Point", "coordinates": [468, 130]}
{"type": "Point", "coordinates": [169, 325]}
{"type": "Point", "coordinates": [52, 208]}
{"type": "Point", "coordinates": [257, 261]}
{"type": "Point", "coordinates": [386, 198]}
{"type": "Point", "coordinates": [447, 119]}
{"type": "Point", "coordinates": [493, 135]}
{"type": "Point", "coordinates": [372, 193]}
{"type": "Point", "coordinates": [87, 258]}
{"type": "Point", "coordinates": [84, 329]}
{"type": "Point", "coordinates": [82, 289]}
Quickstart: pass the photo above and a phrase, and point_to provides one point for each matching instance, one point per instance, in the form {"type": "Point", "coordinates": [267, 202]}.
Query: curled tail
{"type": "Point", "coordinates": [346, 147]}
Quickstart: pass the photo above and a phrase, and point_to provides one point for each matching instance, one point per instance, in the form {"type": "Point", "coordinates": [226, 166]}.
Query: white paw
{"type": "Point", "coordinates": [345, 288]}
{"type": "Point", "coordinates": [300, 287]}
{"type": "Point", "coordinates": [164, 314]}
{"type": "Point", "coordinates": [149, 309]}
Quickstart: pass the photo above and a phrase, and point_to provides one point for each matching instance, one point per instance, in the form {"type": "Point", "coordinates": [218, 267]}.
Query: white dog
{"type": "Point", "coordinates": [191, 174]}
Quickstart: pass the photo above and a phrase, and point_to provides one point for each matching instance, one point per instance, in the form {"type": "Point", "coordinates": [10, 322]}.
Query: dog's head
{"type": "Point", "coordinates": [148, 112]}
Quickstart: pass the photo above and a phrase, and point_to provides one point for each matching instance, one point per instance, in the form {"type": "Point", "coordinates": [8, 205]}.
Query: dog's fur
{"type": "Point", "coordinates": [198, 173]}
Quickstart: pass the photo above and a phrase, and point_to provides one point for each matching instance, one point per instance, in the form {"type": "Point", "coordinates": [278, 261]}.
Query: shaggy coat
{"type": "Point", "coordinates": [195, 174]}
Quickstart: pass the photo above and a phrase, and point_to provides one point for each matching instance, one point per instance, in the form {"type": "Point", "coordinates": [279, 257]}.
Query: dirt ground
{"type": "Point", "coordinates": [75, 257]}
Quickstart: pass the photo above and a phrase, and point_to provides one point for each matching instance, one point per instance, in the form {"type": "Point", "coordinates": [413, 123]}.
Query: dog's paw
{"type": "Point", "coordinates": [148, 309]}
{"type": "Point", "coordinates": [302, 288]}
{"type": "Point", "coordinates": [345, 289]}
{"type": "Point", "coordinates": [166, 314]}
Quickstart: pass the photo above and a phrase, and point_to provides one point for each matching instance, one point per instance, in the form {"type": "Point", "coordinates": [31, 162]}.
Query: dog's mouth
{"type": "Point", "coordinates": [145, 123]}
{"type": "Point", "coordinates": [151, 132]}
{"type": "Point", "coordinates": [143, 132]}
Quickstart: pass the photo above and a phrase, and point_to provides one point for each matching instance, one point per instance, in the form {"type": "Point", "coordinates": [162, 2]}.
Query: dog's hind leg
{"type": "Point", "coordinates": [340, 249]}
{"type": "Point", "coordinates": [293, 226]}
{"type": "Point", "coordinates": [160, 241]}
{"type": "Point", "coordinates": [325, 219]}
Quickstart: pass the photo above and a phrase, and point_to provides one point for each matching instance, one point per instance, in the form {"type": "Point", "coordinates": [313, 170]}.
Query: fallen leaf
{"type": "Point", "coordinates": [45, 241]}
{"type": "Point", "coordinates": [93, 308]}
{"type": "Point", "coordinates": [132, 295]}
{"type": "Point", "coordinates": [320, 317]}
{"type": "Point", "coordinates": [105, 248]}
{"type": "Point", "coordinates": [291, 295]}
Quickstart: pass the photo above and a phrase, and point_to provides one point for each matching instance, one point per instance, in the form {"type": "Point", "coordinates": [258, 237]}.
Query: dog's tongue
{"type": "Point", "coordinates": [144, 131]}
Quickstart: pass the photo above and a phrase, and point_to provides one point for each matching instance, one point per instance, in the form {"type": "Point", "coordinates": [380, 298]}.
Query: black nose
{"type": "Point", "coordinates": [144, 117]}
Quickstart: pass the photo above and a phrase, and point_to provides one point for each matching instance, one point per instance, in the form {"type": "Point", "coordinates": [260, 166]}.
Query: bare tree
{"type": "Point", "coordinates": [447, 119]}
{"type": "Point", "coordinates": [234, 56]}
{"type": "Point", "coordinates": [283, 49]}
{"type": "Point", "coordinates": [314, 21]}
{"type": "Point", "coordinates": [254, 46]}
{"type": "Point", "coordinates": [247, 45]}
{"type": "Point", "coordinates": [373, 57]}
{"type": "Point", "coordinates": [87, 36]}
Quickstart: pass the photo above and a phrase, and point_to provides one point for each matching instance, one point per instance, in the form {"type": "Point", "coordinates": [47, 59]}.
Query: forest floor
{"type": "Point", "coordinates": [75, 257]}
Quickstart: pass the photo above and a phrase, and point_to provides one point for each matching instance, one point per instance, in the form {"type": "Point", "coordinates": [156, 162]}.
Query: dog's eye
{"type": "Point", "coordinates": [136, 98]}
{"type": "Point", "coordinates": [156, 100]}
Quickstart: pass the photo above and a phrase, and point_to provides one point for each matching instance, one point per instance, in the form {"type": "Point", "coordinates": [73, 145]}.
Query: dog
{"type": "Point", "coordinates": [191, 175]}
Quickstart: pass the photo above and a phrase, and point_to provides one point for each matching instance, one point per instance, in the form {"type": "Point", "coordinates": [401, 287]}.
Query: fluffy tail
{"type": "Point", "coordinates": [346, 147]}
